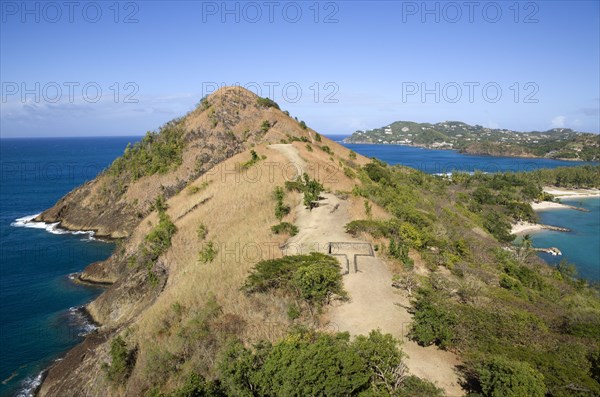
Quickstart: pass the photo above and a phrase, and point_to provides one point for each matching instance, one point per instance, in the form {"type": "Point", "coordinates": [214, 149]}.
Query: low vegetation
{"type": "Point", "coordinates": [511, 317]}
{"type": "Point", "coordinates": [312, 278]}
{"type": "Point", "coordinates": [157, 152]}
{"type": "Point", "coordinates": [285, 228]}
{"type": "Point", "coordinates": [155, 243]}
{"type": "Point", "coordinates": [308, 363]}
{"type": "Point", "coordinates": [122, 360]}
{"type": "Point", "coordinates": [311, 188]}
{"type": "Point", "coordinates": [267, 103]}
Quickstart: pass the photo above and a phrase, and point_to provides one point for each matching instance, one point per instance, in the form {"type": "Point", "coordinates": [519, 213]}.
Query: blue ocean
{"type": "Point", "coordinates": [445, 161]}
{"type": "Point", "coordinates": [39, 319]}
{"type": "Point", "coordinates": [39, 316]}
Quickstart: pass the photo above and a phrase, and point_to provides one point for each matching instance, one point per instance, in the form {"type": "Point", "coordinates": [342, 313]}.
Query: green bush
{"type": "Point", "coordinates": [122, 361]}
{"type": "Point", "coordinates": [432, 324]}
{"type": "Point", "coordinates": [196, 386]}
{"type": "Point", "coordinates": [285, 228]}
{"type": "Point", "coordinates": [315, 282]}
{"type": "Point", "coordinates": [264, 127]}
{"type": "Point", "coordinates": [303, 125]}
{"type": "Point", "coordinates": [413, 386]}
{"type": "Point", "coordinates": [375, 228]}
{"type": "Point", "coordinates": [193, 189]}
{"type": "Point", "coordinates": [208, 253]}
{"type": "Point", "coordinates": [500, 377]}
{"type": "Point", "coordinates": [307, 364]}
{"type": "Point", "coordinates": [326, 149]}
{"type": "Point", "coordinates": [310, 187]}
{"type": "Point", "coordinates": [267, 103]}
{"type": "Point", "coordinates": [157, 152]}
{"type": "Point", "coordinates": [254, 158]}
{"type": "Point", "coordinates": [159, 239]}
{"type": "Point", "coordinates": [202, 231]}
{"type": "Point", "coordinates": [281, 209]}
{"type": "Point", "coordinates": [311, 277]}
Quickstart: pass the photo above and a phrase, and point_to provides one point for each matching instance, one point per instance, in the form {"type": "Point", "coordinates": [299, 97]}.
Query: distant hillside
{"type": "Point", "coordinates": [557, 143]}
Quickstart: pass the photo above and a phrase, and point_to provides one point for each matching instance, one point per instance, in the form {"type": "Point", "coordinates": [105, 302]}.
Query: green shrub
{"type": "Point", "coordinates": [264, 127]}
{"type": "Point", "coordinates": [208, 253]}
{"type": "Point", "coordinates": [193, 189]}
{"type": "Point", "coordinates": [121, 361]}
{"type": "Point", "coordinates": [267, 103]}
{"type": "Point", "coordinates": [383, 358]}
{"type": "Point", "coordinates": [309, 147]}
{"type": "Point", "coordinates": [317, 135]}
{"type": "Point", "coordinates": [413, 386]}
{"type": "Point", "coordinates": [368, 209]}
{"type": "Point", "coordinates": [293, 312]}
{"type": "Point", "coordinates": [349, 173]}
{"type": "Point", "coordinates": [285, 228]}
{"type": "Point", "coordinates": [311, 277]}
{"type": "Point", "coordinates": [158, 152]}
{"type": "Point", "coordinates": [500, 377]}
{"type": "Point", "coordinates": [303, 125]}
{"type": "Point", "coordinates": [281, 209]}
{"type": "Point", "coordinates": [254, 158]}
{"type": "Point", "coordinates": [326, 149]}
{"type": "Point", "coordinates": [310, 187]}
{"type": "Point", "coordinates": [510, 283]}
{"type": "Point", "coordinates": [308, 364]}
{"type": "Point", "coordinates": [196, 386]}
{"type": "Point", "coordinates": [316, 281]}
{"type": "Point", "coordinates": [202, 231]}
{"type": "Point", "coordinates": [375, 228]}
{"type": "Point", "coordinates": [352, 155]}
{"type": "Point", "coordinates": [432, 323]}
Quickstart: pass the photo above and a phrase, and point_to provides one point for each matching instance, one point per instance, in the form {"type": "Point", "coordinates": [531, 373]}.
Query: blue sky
{"type": "Point", "coordinates": [100, 69]}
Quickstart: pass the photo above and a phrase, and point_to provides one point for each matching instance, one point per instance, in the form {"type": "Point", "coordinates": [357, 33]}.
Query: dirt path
{"type": "Point", "coordinates": [374, 303]}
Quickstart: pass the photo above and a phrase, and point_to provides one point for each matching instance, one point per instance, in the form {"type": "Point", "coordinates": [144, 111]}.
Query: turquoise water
{"type": "Point", "coordinates": [39, 319]}
{"type": "Point", "coordinates": [581, 246]}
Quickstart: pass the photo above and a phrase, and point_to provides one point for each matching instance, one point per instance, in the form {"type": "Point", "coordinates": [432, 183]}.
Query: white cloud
{"type": "Point", "coordinates": [558, 121]}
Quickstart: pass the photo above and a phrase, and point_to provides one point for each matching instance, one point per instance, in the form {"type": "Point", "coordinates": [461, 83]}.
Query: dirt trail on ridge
{"type": "Point", "coordinates": [374, 303]}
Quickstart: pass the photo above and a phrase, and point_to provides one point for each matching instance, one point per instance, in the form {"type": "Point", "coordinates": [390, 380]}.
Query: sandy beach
{"type": "Point", "coordinates": [525, 227]}
{"type": "Point", "coordinates": [572, 193]}
{"type": "Point", "coordinates": [560, 193]}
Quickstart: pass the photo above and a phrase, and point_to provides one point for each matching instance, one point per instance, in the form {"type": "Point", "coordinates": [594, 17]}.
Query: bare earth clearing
{"type": "Point", "coordinates": [374, 303]}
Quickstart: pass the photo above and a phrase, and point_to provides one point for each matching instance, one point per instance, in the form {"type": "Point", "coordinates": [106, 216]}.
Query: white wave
{"type": "Point", "coordinates": [54, 228]}
{"type": "Point", "coordinates": [30, 385]}
{"type": "Point", "coordinates": [83, 323]}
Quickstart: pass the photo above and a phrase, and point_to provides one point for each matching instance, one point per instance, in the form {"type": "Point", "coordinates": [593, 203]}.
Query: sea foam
{"type": "Point", "coordinates": [54, 228]}
{"type": "Point", "coordinates": [30, 385]}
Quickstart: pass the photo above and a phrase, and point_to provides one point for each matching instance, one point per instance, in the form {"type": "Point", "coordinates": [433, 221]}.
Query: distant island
{"type": "Point", "coordinates": [557, 143]}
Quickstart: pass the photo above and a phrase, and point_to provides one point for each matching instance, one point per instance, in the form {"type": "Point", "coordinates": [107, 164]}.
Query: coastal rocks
{"type": "Point", "coordinates": [78, 372]}
{"type": "Point", "coordinates": [552, 251]}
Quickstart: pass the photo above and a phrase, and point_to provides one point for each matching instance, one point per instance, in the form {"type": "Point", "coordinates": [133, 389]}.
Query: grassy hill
{"type": "Point", "coordinates": [557, 143]}
{"type": "Point", "coordinates": [202, 302]}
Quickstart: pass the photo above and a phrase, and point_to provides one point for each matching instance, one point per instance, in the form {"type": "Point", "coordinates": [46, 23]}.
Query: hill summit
{"type": "Point", "coordinates": [223, 124]}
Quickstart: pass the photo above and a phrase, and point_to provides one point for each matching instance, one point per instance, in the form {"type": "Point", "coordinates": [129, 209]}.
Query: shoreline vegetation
{"type": "Point", "coordinates": [520, 228]}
